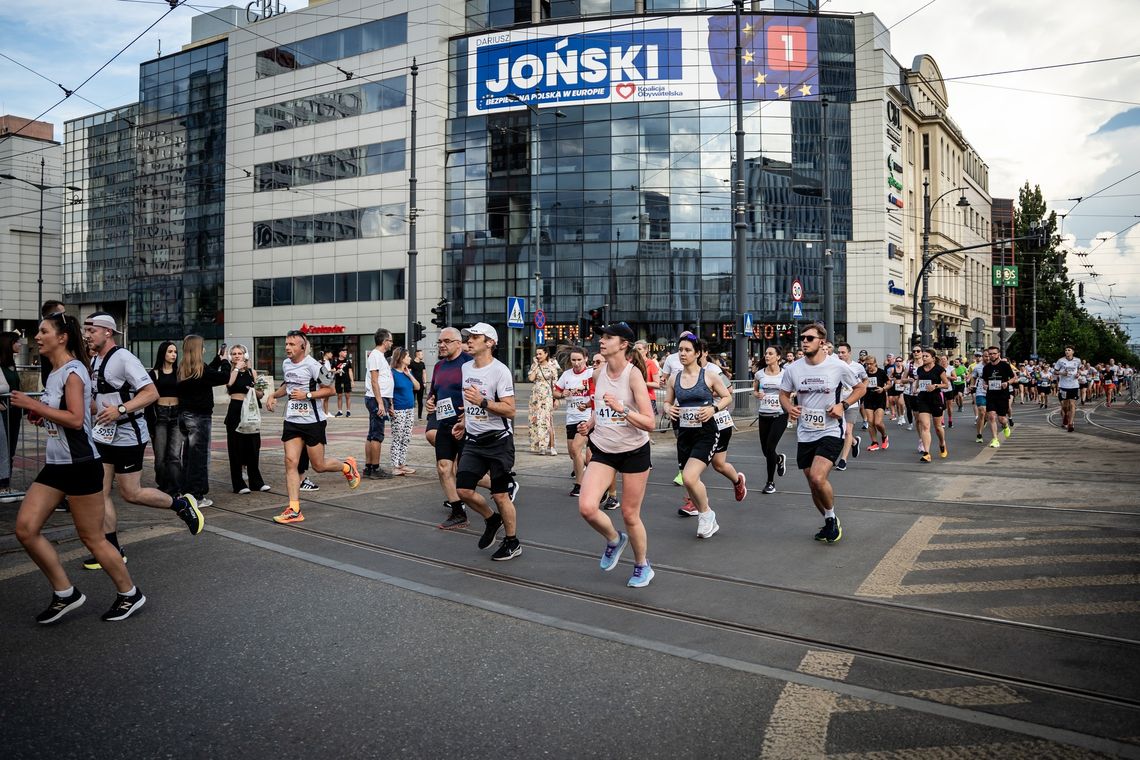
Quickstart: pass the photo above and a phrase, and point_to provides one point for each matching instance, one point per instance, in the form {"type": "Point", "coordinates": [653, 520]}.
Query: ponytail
{"type": "Point", "coordinates": [76, 346]}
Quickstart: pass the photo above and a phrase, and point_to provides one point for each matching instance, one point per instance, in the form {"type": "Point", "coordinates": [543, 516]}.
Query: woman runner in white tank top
{"type": "Point", "coordinates": [619, 443]}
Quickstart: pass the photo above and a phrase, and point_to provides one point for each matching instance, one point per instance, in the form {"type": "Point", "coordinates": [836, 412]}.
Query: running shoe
{"type": "Point", "coordinates": [979, 440]}
{"type": "Point", "coordinates": [910, 426]}
{"type": "Point", "coordinates": [706, 524]}
{"type": "Point", "coordinates": [186, 507]}
{"type": "Point", "coordinates": [769, 488]}
{"type": "Point", "coordinates": [613, 552]}
{"type": "Point", "coordinates": [950, 424]}
{"type": "Point", "coordinates": [901, 421]}
{"type": "Point", "coordinates": [687, 509]}
{"type": "Point", "coordinates": [309, 485]}
{"type": "Point", "coordinates": [1071, 428]}
{"type": "Point", "coordinates": [204, 502]}
{"type": "Point", "coordinates": [678, 481]}
{"type": "Point", "coordinates": [244, 491]}
{"type": "Point", "coordinates": [873, 447]}
{"type": "Point", "coordinates": [576, 490]}
{"type": "Point", "coordinates": [290, 515]}
{"type": "Point", "coordinates": [855, 447]}
{"type": "Point", "coordinates": [509, 549]}
{"type": "Point", "coordinates": [610, 503]}
{"type": "Point", "coordinates": [124, 606]}
{"type": "Point", "coordinates": [552, 452]}
{"type": "Point", "coordinates": [831, 531]}
{"type": "Point", "coordinates": [642, 575]}
{"type": "Point", "coordinates": [339, 414]}
{"type": "Point", "coordinates": [841, 465]}
{"type": "Point", "coordinates": [865, 426]}
{"type": "Point", "coordinates": [353, 474]}
{"type": "Point", "coordinates": [781, 464]}
{"type": "Point", "coordinates": [494, 522]}
{"type": "Point", "coordinates": [942, 452]}
{"type": "Point", "coordinates": [93, 564]}
{"type": "Point", "coordinates": [740, 487]}
{"type": "Point", "coordinates": [995, 444]}
{"type": "Point", "coordinates": [348, 414]}
{"type": "Point", "coordinates": [379, 474]}
{"type": "Point", "coordinates": [1007, 431]}
{"type": "Point", "coordinates": [886, 443]}
{"type": "Point", "coordinates": [457, 520]}
{"type": "Point", "coordinates": [60, 606]}
{"type": "Point", "coordinates": [924, 458]}
{"type": "Point", "coordinates": [513, 489]}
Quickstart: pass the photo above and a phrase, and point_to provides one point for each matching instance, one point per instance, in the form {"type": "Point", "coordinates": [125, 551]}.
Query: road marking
{"type": "Point", "coordinates": [1063, 610]}
{"type": "Point", "coordinates": [1036, 750]}
{"type": "Point", "coordinates": [1044, 559]}
{"type": "Point", "coordinates": [1017, 530]}
{"type": "Point", "coordinates": [126, 537]}
{"type": "Point", "coordinates": [1020, 584]}
{"type": "Point", "coordinates": [799, 721]}
{"type": "Point", "coordinates": [1031, 542]}
{"type": "Point", "coordinates": [962, 696]}
{"type": "Point", "coordinates": [885, 579]}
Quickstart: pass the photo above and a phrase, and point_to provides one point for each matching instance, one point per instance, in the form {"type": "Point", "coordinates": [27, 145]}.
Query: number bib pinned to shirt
{"type": "Point", "coordinates": [691, 417]}
{"type": "Point", "coordinates": [813, 419]}
{"type": "Point", "coordinates": [445, 409]}
{"type": "Point", "coordinates": [609, 418]}
{"type": "Point", "coordinates": [923, 386]}
{"type": "Point", "coordinates": [770, 402]}
{"type": "Point", "coordinates": [994, 385]}
{"type": "Point", "coordinates": [298, 408]}
{"type": "Point", "coordinates": [103, 433]}
{"type": "Point", "coordinates": [872, 382]}
{"type": "Point", "coordinates": [723, 420]}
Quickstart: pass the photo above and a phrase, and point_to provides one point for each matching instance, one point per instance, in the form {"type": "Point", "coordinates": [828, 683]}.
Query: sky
{"type": "Point", "coordinates": [1072, 129]}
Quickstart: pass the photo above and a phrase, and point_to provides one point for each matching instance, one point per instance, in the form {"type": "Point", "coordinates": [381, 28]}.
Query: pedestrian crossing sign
{"type": "Point", "coordinates": [516, 311]}
{"type": "Point", "coordinates": [797, 310]}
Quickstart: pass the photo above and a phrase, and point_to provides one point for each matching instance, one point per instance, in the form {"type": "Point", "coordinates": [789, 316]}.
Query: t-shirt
{"type": "Point", "coordinates": [929, 382]}
{"type": "Point", "coordinates": [447, 387]}
{"type": "Point", "coordinates": [671, 366]}
{"type": "Point", "coordinates": [494, 383]}
{"type": "Point", "coordinates": [817, 388]}
{"type": "Point", "coordinates": [976, 378]}
{"type": "Point", "coordinates": [860, 372]}
{"type": "Point", "coordinates": [304, 375]}
{"type": "Point", "coordinates": [877, 382]}
{"type": "Point", "coordinates": [118, 369]}
{"type": "Point", "coordinates": [67, 445]}
{"type": "Point", "coordinates": [652, 370]}
{"type": "Point", "coordinates": [403, 392]}
{"type": "Point", "coordinates": [770, 387]}
{"type": "Point", "coordinates": [958, 376]}
{"type": "Point", "coordinates": [575, 388]}
{"type": "Point", "coordinates": [378, 363]}
{"type": "Point", "coordinates": [341, 368]}
{"type": "Point", "coordinates": [993, 375]}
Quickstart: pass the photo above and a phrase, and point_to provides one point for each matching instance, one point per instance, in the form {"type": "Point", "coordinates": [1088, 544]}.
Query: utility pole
{"type": "Point", "coordinates": [828, 258]}
{"type": "Point", "coordinates": [412, 252]}
{"type": "Point", "coordinates": [740, 225]}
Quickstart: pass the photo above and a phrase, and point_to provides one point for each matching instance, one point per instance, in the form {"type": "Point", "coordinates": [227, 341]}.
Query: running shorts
{"type": "Point", "coordinates": [1068, 394]}
{"type": "Point", "coordinates": [998, 402]}
{"type": "Point", "coordinates": [625, 462]}
{"type": "Point", "coordinates": [76, 479]}
{"type": "Point", "coordinates": [447, 448]}
{"type": "Point", "coordinates": [496, 457]}
{"type": "Point", "coordinates": [311, 433]}
{"type": "Point", "coordinates": [125, 459]}
{"type": "Point", "coordinates": [829, 447]}
{"type": "Point", "coordinates": [698, 443]}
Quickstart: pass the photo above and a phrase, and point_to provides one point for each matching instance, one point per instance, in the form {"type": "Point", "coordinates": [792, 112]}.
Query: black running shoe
{"type": "Point", "coordinates": [831, 531]}
{"type": "Point", "coordinates": [60, 606]}
{"type": "Point", "coordinates": [309, 485]}
{"type": "Point", "coordinates": [610, 503]}
{"type": "Point", "coordinates": [93, 564]}
{"type": "Point", "coordinates": [494, 522]}
{"type": "Point", "coordinates": [855, 447]}
{"type": "Point", "coordinates": [576, 490]}
{"type": "Point", "coordinates": [781, 464]}
{"type": "Point", "coordinates": [457, 521]}
{"type": "Point", "coordinates": [509, 549]}
{"type": "Point", "coordinates": [841, 465]}
{"type": "Point", "coordinates": [769, 488]}
{"type": "Point", "coordinates": [124, 606]}
{"type": "Point", "coordinates": [186, 507]}
{"type": "Point", "coordinates": [513, 489]}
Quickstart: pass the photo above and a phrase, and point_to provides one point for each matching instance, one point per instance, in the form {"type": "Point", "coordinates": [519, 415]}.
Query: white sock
{"type": "Point", "coordinates": [828, 513]}
{"type": "Point", "coordinates": [66, 592]}
{"type": "Point", "coordinates": [132, 592]}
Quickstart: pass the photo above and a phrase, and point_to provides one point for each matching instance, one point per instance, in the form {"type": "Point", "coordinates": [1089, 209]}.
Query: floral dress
{"type": "Point", "coordinates": [542, 405]}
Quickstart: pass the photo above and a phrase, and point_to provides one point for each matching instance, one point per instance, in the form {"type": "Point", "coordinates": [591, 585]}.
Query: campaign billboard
{"type": "Point", "coordinates": [643, 59]}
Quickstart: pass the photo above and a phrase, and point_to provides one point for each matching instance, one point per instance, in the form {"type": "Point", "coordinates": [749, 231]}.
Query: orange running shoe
{"type": "Point", "coordinates": [290, 515]}
{"type": "Point", "coordinates": [353, 474]}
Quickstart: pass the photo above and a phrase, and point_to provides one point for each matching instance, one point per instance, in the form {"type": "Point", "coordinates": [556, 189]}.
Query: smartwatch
{"type": "Point", "coordinates": [483, 404]}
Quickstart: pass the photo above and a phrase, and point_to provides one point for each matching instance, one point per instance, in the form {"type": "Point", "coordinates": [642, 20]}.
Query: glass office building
{"type": "Point", "coordinates": [631, 179]}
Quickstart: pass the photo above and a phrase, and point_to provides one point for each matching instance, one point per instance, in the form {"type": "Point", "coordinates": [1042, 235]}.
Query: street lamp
{"type": "Point", "coordinates": [41, 187]}
{"type": "Point", "coordinates": [963, 202]}
{"type": "Point", "coordinates": [535, 210]}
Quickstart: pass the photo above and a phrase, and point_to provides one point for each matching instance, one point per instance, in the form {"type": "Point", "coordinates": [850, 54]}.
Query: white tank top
{"type": "Point", "coordinates": [613, 434]}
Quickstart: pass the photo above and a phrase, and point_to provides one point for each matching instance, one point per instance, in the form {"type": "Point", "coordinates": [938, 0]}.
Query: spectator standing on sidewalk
{"type": "Point", "coordinates": [244, 448]}
{"type": "Point", "coordinates": [419, 370]}
{"type": "Point", "coordinates": [403, 411]}
{"type": "Point", "coordinates": [165, 436]}
{"type": "Point", "coordinates": [543, 373]}
{"type": "Point", "coordinates": [378, 389]}
{"type": "Point", "coordinates": [196, 383]}
{"type": "Point", "coordinates": [342, 381]}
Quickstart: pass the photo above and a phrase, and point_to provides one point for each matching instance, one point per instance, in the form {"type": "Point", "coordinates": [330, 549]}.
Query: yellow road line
{"type": "Point", "coordinates": [1031, 542]}
{"type": "Point", "coordinates": [1019, 584]}
{"type": "Point", "coordinates": [888, 574]}
{"type": "Point", "coordinates": [1042, 559]}
{"type": "Point", "coordinates": [1064, 610]}
{"type": "Point", "coordinates": [126, 537]}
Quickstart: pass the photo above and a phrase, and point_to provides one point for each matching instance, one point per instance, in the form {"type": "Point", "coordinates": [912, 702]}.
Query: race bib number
{"type": "Point", "coordinates": [51, 430]}
{"type": "Point", "coordinates": [813, 419]}
{"type": "Point", "coordinates": [474, 410]}
{"type": "Point", "coordinates": [445, 409]}
{"type": "Point", "coordinates": [609, 418]}
{"type": "Point", "coordinates": [723, 420]}
{"type": "Point", "coordinates": [691, 417]}
{"type": "Point", "coordinates": [900, 386]}
{"type": "Point", "coordinates": [994, 385]}
{"type": "Point", "coordinates": [872, 382]}
{"type": "Point", "coordinates": [298, 408]}
{"type": "Point", "coordinates": [770, 402]}
{"type": "Point", "coordinates": [923, 386]}
{"type": "Point", "coordinates": [103, 433]}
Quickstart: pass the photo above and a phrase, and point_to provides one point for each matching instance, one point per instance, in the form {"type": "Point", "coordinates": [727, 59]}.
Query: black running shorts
{"type": "Point", "coordinates": [77, 479]}
{"type": "Point", "coordinates": [625, 462]}
{"type": "Point", "coordinates": [496, 457]}
{"type": "Point", "coordinates": [829, 447]}
{"type": "Point", "coordinates": [446, 446]}
{"type": "Point", "coordinates": [125, 459]}
{"type": "Point", "coordinates": [311, 433]}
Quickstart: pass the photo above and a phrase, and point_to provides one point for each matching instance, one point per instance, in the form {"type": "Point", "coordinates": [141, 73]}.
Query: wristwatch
{"type": "Point", "coordinates": [122, 408]}
{"type": "Point", "coordinates": [483, 404]}
{"type": "Point", "coordinates": [309, 395]}
{"type": "Point", "coordinates": [846, 406]}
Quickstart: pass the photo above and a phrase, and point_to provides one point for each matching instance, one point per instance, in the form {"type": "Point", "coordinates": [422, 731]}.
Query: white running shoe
{"type": "Point", "coordinates": [707, 524]}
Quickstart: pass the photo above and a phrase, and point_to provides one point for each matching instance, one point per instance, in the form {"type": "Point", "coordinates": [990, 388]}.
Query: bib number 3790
{"type": "Point", "coordinates": [813, 419]}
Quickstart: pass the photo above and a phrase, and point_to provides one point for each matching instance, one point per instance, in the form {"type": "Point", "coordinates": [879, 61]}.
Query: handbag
{"type": "Point", "coordinates": [250, 421]}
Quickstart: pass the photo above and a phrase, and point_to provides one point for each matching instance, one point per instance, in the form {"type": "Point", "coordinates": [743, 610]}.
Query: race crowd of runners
{"type": "Point", "coordinates": [101, 408]}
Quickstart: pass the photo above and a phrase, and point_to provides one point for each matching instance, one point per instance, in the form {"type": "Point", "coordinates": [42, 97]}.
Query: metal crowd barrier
{"type": "Point", "coordinates": [20, 466]}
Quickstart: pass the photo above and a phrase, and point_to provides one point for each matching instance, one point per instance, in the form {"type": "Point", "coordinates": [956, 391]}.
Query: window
{"type": "Point", "coordinates": [363, 38]}
{"type": "Point", "coordinates": [369, 97]}
{"type": "Point", "coordinates": [926, 152]}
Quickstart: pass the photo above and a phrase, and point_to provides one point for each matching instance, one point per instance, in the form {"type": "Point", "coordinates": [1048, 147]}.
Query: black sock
{"type": "Point", "coordinates": [457, 504]}
{"type": "Point", "coordinates": [113, 537]}
{"type": "Point", "coordinates": [511, 539]}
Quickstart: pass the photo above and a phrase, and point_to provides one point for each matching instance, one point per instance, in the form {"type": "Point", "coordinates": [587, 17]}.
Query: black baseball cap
{"type": "Point", "coordinates": [621, 330]}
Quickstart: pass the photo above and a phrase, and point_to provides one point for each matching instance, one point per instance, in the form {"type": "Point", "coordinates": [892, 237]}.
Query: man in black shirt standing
{"type": "Point", "coordinates": [997, 375]}
{"type": "Point", "coordinates": [418, 369]}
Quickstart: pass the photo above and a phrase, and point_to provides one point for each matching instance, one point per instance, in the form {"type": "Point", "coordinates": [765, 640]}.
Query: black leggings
{"type": "Point", "coordinates": [908, 400]}
{"type": "Point", "coordinates": [771, 427]}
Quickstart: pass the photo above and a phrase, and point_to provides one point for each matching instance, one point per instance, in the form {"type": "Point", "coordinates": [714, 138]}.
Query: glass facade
{"type": "Point", "coordinates": [342, 287]}
{"type": "Point", "coordinates": [347, 163]}
{"type": "Point", "coordinates": [634, 207]}
{"type": "Point", "coordinates": [368, 97]}
{"type": "Point", "coordinates": [355, 40]}
{"type": "Point", "coordinates": [329, 227]}
{"type": "Point", "coordinates": [179, 210]}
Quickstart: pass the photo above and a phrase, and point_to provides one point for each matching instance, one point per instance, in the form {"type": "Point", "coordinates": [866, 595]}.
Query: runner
{"type": "Point", "coordinates": [725, 425]}
{"type": "Point", "coordinates": [342, 371]}
{"type": "Point", "coordinates": [818, 413]}
{"type": "Point", "coordinates": [378, 390]}
{"type": "Point", "coordinates": [445, 399]}
{"type": "Point", "coordinates": [947, 395]}
{"type": "Point", "coordinates": [488, 440]}
{"type": "Point", "coordinates": [932, 380]}
{"type": "Point", "coordinates": [574, 386]}
{"type": "Point", "coordinates": [1068, 369]}
{"type": "Point", "coordinates": [1044, 380]}
{"type": "Point", "coordinates": [652, 372]}
{"type": "Point", "coordinates": [618, 432]}
{"type": "Point", "coordinates": [896, 377]}
{"type": "Point", "coordinates": [997, 376]}
{"type": "Point", "coordinates": [1108, 382]}
{"type": "Point", "coordinates": [72, 469]}
{"type": "Point", "coordinates": [698, 409]}
{"type": "Point", "coordinates": [958, 374]}
{"type": "Point", "coordinates": [123, 389]}
{"type": "Point", "coordinates": [670, 368]}
{"type": "Point", "coordinates": [304, 383]}
{"type": "Point", "coordinates": [854, 413]}
{"type": "Point", "coordinates": [772, 420]}
{"type": "Point", "coordinates": [874, 404]}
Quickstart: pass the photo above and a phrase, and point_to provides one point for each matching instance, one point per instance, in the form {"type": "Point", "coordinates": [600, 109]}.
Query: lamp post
{"type": "Point", "coordinates": [41, 186]}
{"type": "Point", "coordinates": [924, 334]}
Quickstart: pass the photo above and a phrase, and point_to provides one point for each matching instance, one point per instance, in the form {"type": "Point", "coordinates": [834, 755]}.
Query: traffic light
{"type": "Point", "coordinates": [418, 333]}
{"type": "Point", "coordinates": [583, 329]}
{"type": "Point", "coordinates": [440, 314]}
{"type": "Point", "coordinates": [597, 320]}
{"type": "Point", "coordinates": [950, 341]}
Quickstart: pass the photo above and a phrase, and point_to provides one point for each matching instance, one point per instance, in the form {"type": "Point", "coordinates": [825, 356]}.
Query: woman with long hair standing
{"type": "Point", "coordinates": [196, 382]}
{"type": "Point", "coordinates": [244, 448]}
{"type": "Point", "coordinates": [772, 420]}
{"type": "Point", "coordinates": [165, 437]}
{"type": "Point", "coordinates": [543, 373]}
{"type": "Point", "coordinates": [72, 469]}
{"type": "Point", "coordinates": [11, 417]}
{"type": "Point", "coordinates": [403, 410]}
{"type": "Point", "coordinates": [618, 435]}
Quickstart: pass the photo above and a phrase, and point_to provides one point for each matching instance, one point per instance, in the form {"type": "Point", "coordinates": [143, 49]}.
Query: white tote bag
{"type": "Point", "coordinates": [250, 421]}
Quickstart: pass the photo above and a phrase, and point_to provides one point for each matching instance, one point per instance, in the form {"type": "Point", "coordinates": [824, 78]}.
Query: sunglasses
{"type": "Point", "coordinates": [296, 334]}
{"type": "Point", "coordinates": [809, 338]}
